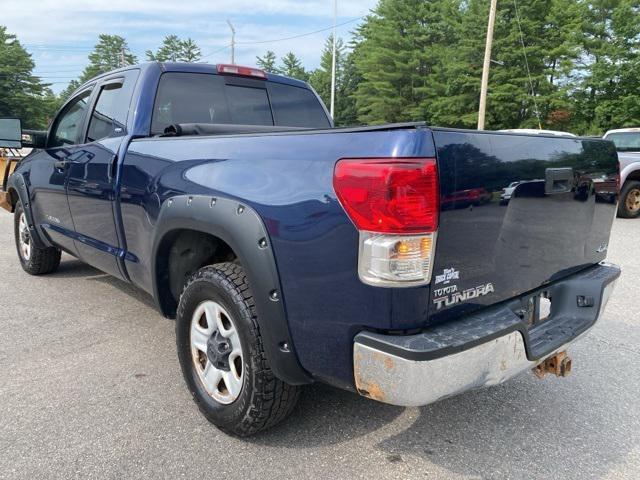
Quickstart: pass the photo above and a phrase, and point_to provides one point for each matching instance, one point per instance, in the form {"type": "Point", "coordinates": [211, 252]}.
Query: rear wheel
{"type": "Point", "coordinates": [629, 206]}
{"type": "Point", "coordinates": [221, 354]}
{"type": "Point", "coordinates": [34, 260]}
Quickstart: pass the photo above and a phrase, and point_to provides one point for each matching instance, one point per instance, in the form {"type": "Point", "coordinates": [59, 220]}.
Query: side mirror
{"type": "Point", "coordinates": [10, 133]}
{"type": "Point", "coordinates": [34, 138]}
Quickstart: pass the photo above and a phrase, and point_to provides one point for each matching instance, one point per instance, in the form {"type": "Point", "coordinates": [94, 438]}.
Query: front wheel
{"type": "Point", "coordinates": [629, 206]}
{"type": "Point", "coordinates": [34, 260]}
{"type": "Point", "coordinates": [221, 354]}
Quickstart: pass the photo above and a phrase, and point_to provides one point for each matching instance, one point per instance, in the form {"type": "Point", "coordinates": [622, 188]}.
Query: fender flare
{"type": "Point", "coordinates": [17, 182]}
{"type": "Point", "coordinates": [242, 229]}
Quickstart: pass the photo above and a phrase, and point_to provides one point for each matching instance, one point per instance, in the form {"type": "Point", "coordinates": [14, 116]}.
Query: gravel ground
{"type": "Point", "coordinates": [91, 388]}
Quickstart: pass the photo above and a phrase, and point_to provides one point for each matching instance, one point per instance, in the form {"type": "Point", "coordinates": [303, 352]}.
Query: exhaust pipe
{"type": "Point", "coordinates": [559, 364]}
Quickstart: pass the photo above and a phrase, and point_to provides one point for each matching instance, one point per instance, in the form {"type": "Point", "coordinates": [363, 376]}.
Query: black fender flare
{"type": "Point", "coordinates": [242, 229]}
{"type": "Point", "coordinates": [17, 182]}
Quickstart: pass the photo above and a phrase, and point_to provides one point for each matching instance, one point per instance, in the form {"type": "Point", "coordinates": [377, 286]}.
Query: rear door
{"type": "Point", "coordinates": [557, 220]}
{"type": "Point", "coordinates": [48, 172]}
{"type": "Point", "coordinates": [92, 174]}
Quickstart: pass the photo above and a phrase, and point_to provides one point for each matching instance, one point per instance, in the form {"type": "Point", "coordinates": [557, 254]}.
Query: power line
{"type": "Point", "coordinates": [526, 61]}
{"type": "Point", "coordinates": [285, 38]}
{"type": "Point", "coordinates": [302, 34]}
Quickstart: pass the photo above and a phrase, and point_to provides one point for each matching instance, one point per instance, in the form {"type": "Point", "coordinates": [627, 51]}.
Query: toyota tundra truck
{"type": "Point", "coordinates": [290, 252]}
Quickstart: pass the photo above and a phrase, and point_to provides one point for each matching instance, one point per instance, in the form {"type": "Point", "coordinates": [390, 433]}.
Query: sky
{"type": "Point", "coordinates": [61, 33]}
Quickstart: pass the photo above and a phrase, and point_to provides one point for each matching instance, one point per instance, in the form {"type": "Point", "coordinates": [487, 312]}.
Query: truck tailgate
{"type": "Point", "coordinates": [492, 245]}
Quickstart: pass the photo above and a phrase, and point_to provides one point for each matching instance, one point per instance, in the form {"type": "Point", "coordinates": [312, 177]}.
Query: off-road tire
{"type": "Point", "coordinates": [41, 260]}
{"type": "Point", "coordinates": [629, 190]}
{"type": "Point", "coordinates": [264, 400]}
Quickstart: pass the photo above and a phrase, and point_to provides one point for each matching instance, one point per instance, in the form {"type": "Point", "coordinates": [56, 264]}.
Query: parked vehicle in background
{"type": "Point", "coordinates": [505, 196]}
{"type": "Point", "coordinates": [627, 142]}
{"type": "Point", "coordinates": [466, 198]}
{"type": "Point", "coordinates": [292, 252]}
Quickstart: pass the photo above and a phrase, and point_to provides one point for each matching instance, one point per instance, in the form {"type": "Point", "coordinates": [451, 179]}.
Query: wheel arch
{"type": "Point", "coordinates": [17, 188]}
{"type": "Point", "coordinates": [236, 230]}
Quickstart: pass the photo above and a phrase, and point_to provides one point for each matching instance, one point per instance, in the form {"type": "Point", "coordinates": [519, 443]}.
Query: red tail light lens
{"type": "Point", "coordinates": [389, 195]}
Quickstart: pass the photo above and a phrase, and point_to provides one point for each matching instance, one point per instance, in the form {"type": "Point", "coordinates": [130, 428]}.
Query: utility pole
{"type": "Point", "coordinates": [487, 62]}
{"type": "Point", "coordinates": [233, 43]}
{"type": "Point", "coordinates": [122, 60]}
{"type": "Point", "coordinates": [333, 61]}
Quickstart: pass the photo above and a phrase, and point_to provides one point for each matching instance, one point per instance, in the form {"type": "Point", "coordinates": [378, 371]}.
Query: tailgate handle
{"type": "Point", "coordinates": [558, 180]}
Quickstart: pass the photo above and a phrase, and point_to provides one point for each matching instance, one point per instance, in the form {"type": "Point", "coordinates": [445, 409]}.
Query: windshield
{"type": "Point", "coordinates": [626, 141]}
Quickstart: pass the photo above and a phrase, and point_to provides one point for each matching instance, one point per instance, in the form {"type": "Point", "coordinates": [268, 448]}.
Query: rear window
{"type": "Point", "coordinates": [207, 98]}
{"type": "Point", "coordinates": [626, 141]}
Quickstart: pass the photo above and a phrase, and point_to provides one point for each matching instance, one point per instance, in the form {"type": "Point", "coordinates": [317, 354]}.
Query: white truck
{"type": "Point", "coordinates": [627, 142]}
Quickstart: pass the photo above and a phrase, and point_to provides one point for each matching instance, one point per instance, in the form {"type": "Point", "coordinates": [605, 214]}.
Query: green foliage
{"type": "Point", "coordinates": [111, 52]}
{"type": "Point", "coordinates": [320, 80]}
{"type": "Point", "coordinates": [23, 94]}
{"type": "Point", "coordinates": [563, 64]}
{"type": "Point", "coordinates": [292, 67]}
{"type": "Point", "coordinates": [175, 50]}
{"type": "Point", "coordinates": [267, 62]}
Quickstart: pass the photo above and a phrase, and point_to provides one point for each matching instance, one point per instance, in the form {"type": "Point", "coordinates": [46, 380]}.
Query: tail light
{"type": "Point", "coordinates": [394, 203]}
{"type": "Point", "coordinates": [224, 68]}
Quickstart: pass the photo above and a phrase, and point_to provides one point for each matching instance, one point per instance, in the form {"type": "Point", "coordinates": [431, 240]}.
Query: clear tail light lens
{"type": "Point", "coordinates": [395, 260]}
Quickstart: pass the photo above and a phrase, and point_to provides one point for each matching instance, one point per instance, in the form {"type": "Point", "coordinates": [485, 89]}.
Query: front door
{"type": "Point", "coordinates": [92, 176]}
{"type": "Point", "coordinates": [48, 172]}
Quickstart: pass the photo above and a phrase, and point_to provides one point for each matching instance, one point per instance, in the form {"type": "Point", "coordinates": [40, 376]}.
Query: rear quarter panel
{"type": "Point", "coordinates": [288, 180]}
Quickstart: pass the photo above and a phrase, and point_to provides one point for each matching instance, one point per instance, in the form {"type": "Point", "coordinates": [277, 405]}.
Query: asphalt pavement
{"type": "Point", "coordinates": [90, 387]}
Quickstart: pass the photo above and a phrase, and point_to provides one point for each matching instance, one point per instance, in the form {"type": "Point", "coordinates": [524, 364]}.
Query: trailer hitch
{"type": "Point", "coordinates": [558, 364]}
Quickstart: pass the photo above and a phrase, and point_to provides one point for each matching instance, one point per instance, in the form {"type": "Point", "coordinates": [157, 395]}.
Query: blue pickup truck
{"type": "Point", "coordinates": [292, 252]}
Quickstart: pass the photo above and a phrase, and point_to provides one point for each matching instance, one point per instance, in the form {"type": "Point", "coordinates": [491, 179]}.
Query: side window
{"type": "Point", "coordinates": [104, 118]}
{"type": "Point", "coordinates": [109, 117]}
{"type": "Point", "coordinates": [68, 124]}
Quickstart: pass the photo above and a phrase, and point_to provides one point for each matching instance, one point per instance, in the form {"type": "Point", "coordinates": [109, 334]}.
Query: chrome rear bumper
{"type": "Point", "coordinates": [422, 369]}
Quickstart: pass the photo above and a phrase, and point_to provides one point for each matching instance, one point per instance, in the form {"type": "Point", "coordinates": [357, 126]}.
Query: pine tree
{"type": "Point", "coordinates": [23, 94]}
{"type": "Point", "coordinates": [189, 51]}
{"type": "Point", "coordinates": [107, 55]}
{"type": "Point", "coordinates": [320, 80]}
{"type": "Point", "coordinates": [175, 50]}
{"type": "Point", "coordinates": [267, 62]}
{"type": "Point", "coordinates": [292, 67]}
{"type": "Point", "coordinates": [399, 45]}
{"type": "Point", "coordinates": [607, 94]}
{"type": "Point", "coordinates": [169, 51]}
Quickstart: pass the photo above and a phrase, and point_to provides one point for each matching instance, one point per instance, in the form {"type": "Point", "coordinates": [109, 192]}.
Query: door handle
{"type": "Point", "coordinates": [61, 164]}
{"type": "Point", "coordinates": [559, 180]}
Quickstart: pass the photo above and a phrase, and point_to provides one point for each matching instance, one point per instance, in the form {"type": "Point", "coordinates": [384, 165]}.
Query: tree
{"type": "Point", "coordinates": [108, 54]}
{"type": "Point", "coordinates": [267, 62]}
{"type": "Point", "coordinates": [320, 80]}
{"type": "Point", "coordinates": [189, 51]}
{"type": "Point", "coordinates": [23, 94]}
{"type": "Point", "coordinates": [292, 67]}
{"type": "Point", "coordinates": [175, 50]}
{"type": "Point", "coordinates": [399, 45]}
{"type": "Point", "coordinates": [606, 92]}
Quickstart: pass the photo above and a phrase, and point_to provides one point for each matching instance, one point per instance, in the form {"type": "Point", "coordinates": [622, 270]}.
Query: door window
{"type": "Point", "coordinates": [69, 123]}
{"type": "Point", "coordinates": [109, 117]}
